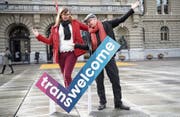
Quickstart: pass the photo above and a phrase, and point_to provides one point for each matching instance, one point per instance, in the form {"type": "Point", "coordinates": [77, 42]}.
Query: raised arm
{"type": "Point", "coordinates": [82, 26]}
{"type": "Point", "coordinates": [115, 22]}
{"type": "Point", "coordinates": [41, 37]}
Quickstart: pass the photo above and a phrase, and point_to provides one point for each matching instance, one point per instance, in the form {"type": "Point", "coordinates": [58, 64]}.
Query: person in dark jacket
{"type": "Point", "coordinates": [97, 32]}
{"type": "Point", "coordinates": [37, 57]}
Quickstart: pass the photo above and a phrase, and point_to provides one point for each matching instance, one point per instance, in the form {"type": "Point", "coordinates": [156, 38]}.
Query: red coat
{"type": "Point", "coordinates": [54, 38]}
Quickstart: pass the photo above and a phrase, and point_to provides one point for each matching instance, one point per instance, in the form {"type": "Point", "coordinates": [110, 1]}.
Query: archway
{"type": "Point", "coordinates": [123, 37]}
{"type": "Point", "coordinates": [19, 42]}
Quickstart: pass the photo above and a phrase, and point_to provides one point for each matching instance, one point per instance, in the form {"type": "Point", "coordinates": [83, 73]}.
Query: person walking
{"type": "Point", "coordinates": [7, 60]}
{"type": "Point", "coordinates": [27, 57]}
{"type": "Point", "coordinates": [64, 34]}
{"type": "Point", "coordinates": [97, 32]}
{"type": "Point", "coordinates": [37, 57]}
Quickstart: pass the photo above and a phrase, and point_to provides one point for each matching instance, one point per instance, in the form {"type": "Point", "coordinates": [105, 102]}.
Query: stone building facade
{"type": "Point", "coordinates": [153, 29]}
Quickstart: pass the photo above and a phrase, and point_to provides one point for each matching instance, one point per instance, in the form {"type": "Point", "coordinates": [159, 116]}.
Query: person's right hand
{"type": "Point", "coordinates": [35, 31]}
{"type": "Point", "coordinates": [136, 4]}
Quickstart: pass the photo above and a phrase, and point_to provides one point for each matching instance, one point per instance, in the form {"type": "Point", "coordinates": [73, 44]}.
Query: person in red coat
{"type": "Point", "coordinates": [64, 35]}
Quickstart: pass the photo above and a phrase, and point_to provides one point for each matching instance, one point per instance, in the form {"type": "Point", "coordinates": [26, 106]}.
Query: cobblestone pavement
{"type": "Point", "coordinates": [150, 88]}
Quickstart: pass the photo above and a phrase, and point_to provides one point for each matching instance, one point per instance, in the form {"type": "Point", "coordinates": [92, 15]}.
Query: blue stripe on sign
{"type": "Point", "coordinates": [92, 69]}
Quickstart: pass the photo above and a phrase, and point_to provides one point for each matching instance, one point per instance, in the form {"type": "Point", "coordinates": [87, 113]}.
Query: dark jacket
{"type": "Point", "coordinates": [108, 27]}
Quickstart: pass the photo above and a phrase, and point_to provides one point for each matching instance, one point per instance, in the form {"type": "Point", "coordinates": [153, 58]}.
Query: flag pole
{"type": "Point", "coordinates": [56, 4]}
{"type": "Point", "coordinates": [52, 106]}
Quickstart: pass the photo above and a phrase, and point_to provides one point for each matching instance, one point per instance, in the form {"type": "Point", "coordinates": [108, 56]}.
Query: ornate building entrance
{"type": "Point", "coordinates": [19, 42]}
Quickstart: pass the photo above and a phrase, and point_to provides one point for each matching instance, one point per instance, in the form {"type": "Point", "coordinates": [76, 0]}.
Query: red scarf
{"type": "Point", "coordinates": [102, 34]}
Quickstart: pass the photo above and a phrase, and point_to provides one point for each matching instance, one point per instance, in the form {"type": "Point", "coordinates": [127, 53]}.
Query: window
{"type": "Point", "coordinates": [123, 38]}
{"type": "Point", "coordinates": [165, 6]}
{"type": "Point", "coordinates": [164, 33]}
{"type": "Point", "coordinates": [162, 6]}
{"type": "Point", "coordinates": [142, 7]}
{"type": "Point", "coordinates": [123, 42]}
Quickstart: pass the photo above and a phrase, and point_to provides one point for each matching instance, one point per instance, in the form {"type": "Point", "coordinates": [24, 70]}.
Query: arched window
{"type": "Point", "coordinates": [164, 33]}
{"type": "Point", "coordinates": [123, 37]}
{"type": "Point", "coordinates": [19, 32]}
{"type": "Point", "coordinates": [162, 6]}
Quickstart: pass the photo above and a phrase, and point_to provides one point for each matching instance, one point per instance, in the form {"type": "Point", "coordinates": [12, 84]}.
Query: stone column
{"type": "Point", "coordinates": [36, 20]}
{"type": "Point", "coordinates": [136, 19]}
{"type": "Point", "coordinates": [36, 7]}
{"type": "Point", "coordinates": [151, 7]}
{"type": "Point", "coordinates": [136, 40]}
{"type": "Point", "coordinates": [35, 44]}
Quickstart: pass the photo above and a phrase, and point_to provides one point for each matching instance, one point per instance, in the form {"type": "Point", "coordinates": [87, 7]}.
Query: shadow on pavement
{"type": "Point", "coordinates": [60, 114]}
{"type": "Point", "coordinates": [118, 113]}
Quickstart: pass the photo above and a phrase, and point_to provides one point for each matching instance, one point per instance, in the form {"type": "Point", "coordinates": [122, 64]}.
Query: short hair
{"type": "Point", "coordinates": [90, 15]}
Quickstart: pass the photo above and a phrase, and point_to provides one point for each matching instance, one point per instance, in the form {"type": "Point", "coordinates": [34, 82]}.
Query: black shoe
{"type": "Point", "coordinates": [1, 73]}
{"type": "Point", "coordinates": [123, 107]}
{"type": "Point", "coordinates": [101, 106]}
{"type": "Point", "coordinates": [12, 72]}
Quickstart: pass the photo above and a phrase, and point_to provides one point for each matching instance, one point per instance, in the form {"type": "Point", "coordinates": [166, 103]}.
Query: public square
{"type": "Point", "coordinates": [150, 88]}
{"type": "Point", "coordinates": [35, 33]}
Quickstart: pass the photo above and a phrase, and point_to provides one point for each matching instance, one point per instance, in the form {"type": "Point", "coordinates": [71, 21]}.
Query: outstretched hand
{"type": "Point", "coordinates": [35, 32]}
{"type": "Point", "coordinates": [136, 4]}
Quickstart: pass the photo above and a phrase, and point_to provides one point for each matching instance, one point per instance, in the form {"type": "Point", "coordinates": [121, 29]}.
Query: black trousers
{"type": "Point", "coordinates": [4, 67]}
{"type": "Point", "coordinates": [113, 74]}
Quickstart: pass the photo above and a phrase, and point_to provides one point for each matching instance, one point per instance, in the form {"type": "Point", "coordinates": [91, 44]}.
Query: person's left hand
{"type": "Point", "coordinates": [136, 4]}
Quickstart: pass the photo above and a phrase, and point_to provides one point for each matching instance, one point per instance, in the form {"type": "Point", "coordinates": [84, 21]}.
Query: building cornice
{"type": "Point", "coordinates": [75, 9]}
{"type": "Point", "coordinates": [157, 18]}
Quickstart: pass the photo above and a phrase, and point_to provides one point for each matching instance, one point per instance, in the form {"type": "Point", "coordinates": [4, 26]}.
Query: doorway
{"type": "Point", "coordinates": [16, 46]}
{"type": "Point", "coordinates": [19, 43]}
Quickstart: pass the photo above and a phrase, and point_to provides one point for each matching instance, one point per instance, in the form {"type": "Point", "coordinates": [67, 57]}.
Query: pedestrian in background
{"type": "Point", "coordinates": [7, 57]}
{"type": "Point", "coordinates": [37, 57]}
{"type": "Point", "coordinates": [27, 57]}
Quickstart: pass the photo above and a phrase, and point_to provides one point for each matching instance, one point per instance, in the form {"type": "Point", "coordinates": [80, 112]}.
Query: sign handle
{"type": "Point", "coordinates": [89, 100]}
{"type": "Point", "coordinates": [52, 107]}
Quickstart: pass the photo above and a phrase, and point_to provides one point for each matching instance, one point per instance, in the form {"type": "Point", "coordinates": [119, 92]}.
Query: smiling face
{"type": "Point", "coordinates": [65, 15]}
{"type": "Point", "coordinates": [91, 22]}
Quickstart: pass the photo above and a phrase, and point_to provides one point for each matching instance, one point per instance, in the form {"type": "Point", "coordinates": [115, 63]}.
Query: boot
{"type": "Point", "coordinates": [123, 107]}
{"type": "Point", "coordinates": [101, 106]}
{"type": "Point", "coordinates": [4, 67]}
{"type": "Point", "coordinates": [12, 71]}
